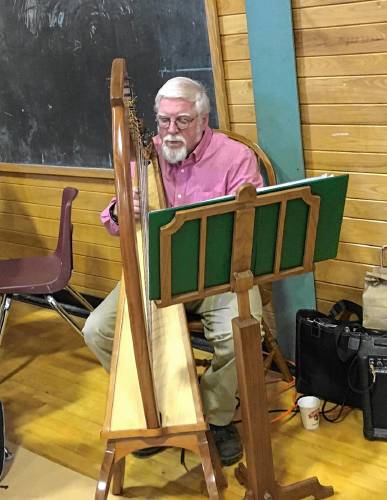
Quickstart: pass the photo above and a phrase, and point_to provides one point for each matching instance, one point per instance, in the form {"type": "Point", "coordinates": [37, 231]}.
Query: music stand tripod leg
{"type": "Point", "coordinates": [256, 431]}
{"type": "Point", "coordinates": [259, 477]}
{"type": "Point", "coordinates": [303, 489]}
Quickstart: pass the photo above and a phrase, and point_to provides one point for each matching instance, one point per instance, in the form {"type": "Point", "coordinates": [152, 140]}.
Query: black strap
{"type": "Point", "coordinates": [346, 306]}
{"type": "Point", "coordinates": [348, 335]}
{"type": "Point", "coordinates": [347, 342]}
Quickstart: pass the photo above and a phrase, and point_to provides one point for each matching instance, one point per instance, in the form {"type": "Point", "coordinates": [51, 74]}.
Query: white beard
{"type": "Point", "coordinates": [174, 155]}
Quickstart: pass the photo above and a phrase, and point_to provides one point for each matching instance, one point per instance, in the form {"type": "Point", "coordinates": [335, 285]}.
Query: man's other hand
{"type": "Point", "coordinates": [136, 202]}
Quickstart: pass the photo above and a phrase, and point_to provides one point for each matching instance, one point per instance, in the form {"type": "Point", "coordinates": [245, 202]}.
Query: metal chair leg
{"type": "Point", "coordinates": [5, 304]}
{"type": "Point", "coordinates": [80, 298]}
{"type": "Point", "coordinates": [60, 310]}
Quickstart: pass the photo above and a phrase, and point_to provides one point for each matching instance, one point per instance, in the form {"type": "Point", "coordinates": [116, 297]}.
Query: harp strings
{"type": "Point", "coordinates": [142, 162]}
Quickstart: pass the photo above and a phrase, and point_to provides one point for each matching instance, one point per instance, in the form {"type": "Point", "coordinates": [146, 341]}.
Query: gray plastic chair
{"type": "Point", "coordinates": [43, 275]}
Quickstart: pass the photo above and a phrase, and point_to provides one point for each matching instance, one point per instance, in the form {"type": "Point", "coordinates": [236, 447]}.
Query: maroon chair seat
{"type": "Point", "coordinates": [32, 275]}
{"type": "Point", "coordinates": [45, 274]}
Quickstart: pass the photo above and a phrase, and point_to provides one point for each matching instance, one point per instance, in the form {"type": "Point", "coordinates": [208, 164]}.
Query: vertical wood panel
{"type": "Point", "coordinates": [236, 68]}
{"type": "Point", "coordinates": [227, 7]}
{"type": "Point", "coordinates": [217, 63]}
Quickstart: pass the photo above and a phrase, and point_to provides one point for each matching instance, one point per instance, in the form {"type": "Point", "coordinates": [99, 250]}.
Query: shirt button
{"type": "Point", "coordinates": [179, 196]}
{"type": "Point", "coordinates": [182, 170]}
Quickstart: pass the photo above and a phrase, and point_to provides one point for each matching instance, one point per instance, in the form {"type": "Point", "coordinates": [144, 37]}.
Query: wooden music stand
{"type": "Point", "coordinates": [258, 477]}
{"type": "Point", "coordinates": [249, 213]}
{"type": "Point", "coordinates": [152, 400]}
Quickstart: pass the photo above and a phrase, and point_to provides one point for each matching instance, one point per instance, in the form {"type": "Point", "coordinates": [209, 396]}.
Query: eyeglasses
{"type": "Point", "coordinates": [181, 122]}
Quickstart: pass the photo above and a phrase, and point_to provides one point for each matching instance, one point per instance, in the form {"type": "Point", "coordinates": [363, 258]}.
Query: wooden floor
{"type": "Point", "coordinates": [54, 395]}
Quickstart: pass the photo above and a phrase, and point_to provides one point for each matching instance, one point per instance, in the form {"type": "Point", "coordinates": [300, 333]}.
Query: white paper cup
{"type": "Point", "coordinates": [310, 412]}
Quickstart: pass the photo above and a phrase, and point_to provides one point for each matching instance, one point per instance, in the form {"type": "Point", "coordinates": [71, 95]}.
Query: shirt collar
{"type": "Point", "coordinates": [198, 152]}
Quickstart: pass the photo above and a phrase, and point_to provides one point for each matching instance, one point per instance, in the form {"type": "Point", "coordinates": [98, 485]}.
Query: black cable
{"type": "Point", "coordinates": [182, 459]}
{"type": "Point", "coordinates": [354, 389]}
{"type": "Point", "coordinates": [293, 414]}
{"type": "Point", "coordinates": [324, 412]}
{"type": "Point", "coordinates": [337, 418]}
{"type": "Point", "coordinates": [333, 408]}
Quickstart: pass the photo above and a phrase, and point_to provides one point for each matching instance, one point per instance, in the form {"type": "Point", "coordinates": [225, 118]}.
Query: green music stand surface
{"type": "Point", "coordinates": [185, 243]}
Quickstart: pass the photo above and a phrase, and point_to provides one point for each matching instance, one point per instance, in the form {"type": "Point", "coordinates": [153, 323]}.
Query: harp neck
{"type": "Point", "coordinates": [125, 130]}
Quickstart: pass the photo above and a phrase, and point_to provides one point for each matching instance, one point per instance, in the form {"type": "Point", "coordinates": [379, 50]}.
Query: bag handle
{"type": "Point", "coordinates": [345, 308]}
{"type": "Point", "coordinates": [347, 346]}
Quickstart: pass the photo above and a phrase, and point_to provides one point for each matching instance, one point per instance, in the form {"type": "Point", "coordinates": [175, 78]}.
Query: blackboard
{"type": "Point", "coordinates": [55, 59]}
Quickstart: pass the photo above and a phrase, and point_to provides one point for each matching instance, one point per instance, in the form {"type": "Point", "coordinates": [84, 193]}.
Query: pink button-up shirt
{"type": "Point", "coordinates": [217, 167]}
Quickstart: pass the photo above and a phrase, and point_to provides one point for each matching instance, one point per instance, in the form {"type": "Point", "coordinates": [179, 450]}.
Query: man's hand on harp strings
{"type": "Point", "coordinates": [136, 202]}
{"type": "Point", "coordinates": [136, 206]}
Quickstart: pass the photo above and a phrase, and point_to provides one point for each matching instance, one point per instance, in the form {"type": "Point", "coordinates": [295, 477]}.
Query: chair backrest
{"type": "Point", "coordinates": [270, 179]}
{"type": "Point", "coordinates": [64, 249]}
{"type": "Point", "coordinates": [262, 158]}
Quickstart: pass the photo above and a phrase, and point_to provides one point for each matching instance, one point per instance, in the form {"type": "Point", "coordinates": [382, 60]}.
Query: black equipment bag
{"type": "Point", "coordinates": [326, 353]}
{"type": "Point", "coordinates": [372, 360]}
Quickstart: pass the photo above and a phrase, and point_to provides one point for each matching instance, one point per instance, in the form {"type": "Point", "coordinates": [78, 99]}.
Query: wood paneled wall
{"type": "Point", "coordinates": [341, 55]}
{"type": "Point", "coordinates": [30, 198]}
{"type": "Point", "coordinates": [237, 68]}
{"type": "Point", "coordinates": [341, 50]}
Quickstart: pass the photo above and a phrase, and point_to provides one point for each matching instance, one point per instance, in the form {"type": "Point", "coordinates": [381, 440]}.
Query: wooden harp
{"type": "Point", "coordinates": [153, 400]}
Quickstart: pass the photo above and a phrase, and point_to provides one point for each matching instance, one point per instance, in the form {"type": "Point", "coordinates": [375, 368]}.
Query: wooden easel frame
{"type": "Point", "coordinates": [258, 477]}
{"type": "Point", "coordinates": [151, 402]}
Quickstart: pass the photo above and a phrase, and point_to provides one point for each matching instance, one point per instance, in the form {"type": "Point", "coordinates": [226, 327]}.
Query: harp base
{"type": "Point", "coordinates": [201, 443]}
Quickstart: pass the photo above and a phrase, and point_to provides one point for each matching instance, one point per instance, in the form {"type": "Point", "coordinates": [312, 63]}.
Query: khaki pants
{"type": "Point", "coordinates": [219, 383]}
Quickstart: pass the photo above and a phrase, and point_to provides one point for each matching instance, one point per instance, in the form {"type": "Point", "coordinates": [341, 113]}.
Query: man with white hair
{"type": "Point", "coordinates": [197, 164]}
